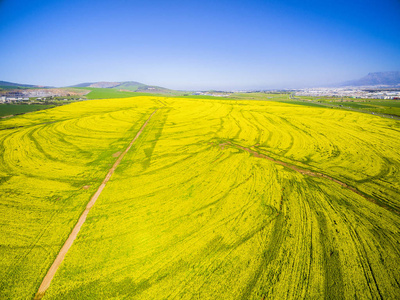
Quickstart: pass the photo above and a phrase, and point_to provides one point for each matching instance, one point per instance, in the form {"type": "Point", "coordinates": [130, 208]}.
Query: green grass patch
{"type": "Point", "coordinates": [13, 109]}
{"type": "Point", "coordinates": [104, 93]}
{"type": "Point", "coordinates": [99, 93]}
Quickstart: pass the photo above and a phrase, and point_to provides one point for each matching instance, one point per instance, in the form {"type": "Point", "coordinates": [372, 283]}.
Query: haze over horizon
{"type": "Point", "coordinates": [198, 45]}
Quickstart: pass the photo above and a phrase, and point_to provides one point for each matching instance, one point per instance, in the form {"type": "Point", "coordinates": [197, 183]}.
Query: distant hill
{"type": "Point", "coordinates": [142, 88]}
{"type": "Point", "coordinates": [16, 85]}
{"type": "Point", "coordinates": [131, 86]}
{"type": "Point", "coordinates": [377, 78]}
{"type": "Point", "coordinates": [100, 84]}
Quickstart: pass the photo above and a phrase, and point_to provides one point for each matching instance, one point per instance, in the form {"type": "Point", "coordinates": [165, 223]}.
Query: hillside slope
{"type": "Point", "coordinates": [132, 86]}
{"type": "Point", "coordinates": [377, 78]}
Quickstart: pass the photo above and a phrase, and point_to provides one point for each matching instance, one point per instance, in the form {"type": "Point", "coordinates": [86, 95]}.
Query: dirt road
{"type": "Point", "coordinates": [53, 269]}
{"type": "Point", "coordinates": [308, 172]}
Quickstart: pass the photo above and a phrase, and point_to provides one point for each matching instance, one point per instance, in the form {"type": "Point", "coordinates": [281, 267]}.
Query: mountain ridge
{"type": "Point", "coordinates": [132, 86]}
{"type": "Point", "coordinates": [16, 85]}
{"type": "Point", "coordinates": [391, 78]}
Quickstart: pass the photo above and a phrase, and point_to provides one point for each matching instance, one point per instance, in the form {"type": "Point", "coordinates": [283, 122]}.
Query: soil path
{"type": "Point", "coordinates": [309, 173]}
{"type": "Point", "coordinates": [53, 269]}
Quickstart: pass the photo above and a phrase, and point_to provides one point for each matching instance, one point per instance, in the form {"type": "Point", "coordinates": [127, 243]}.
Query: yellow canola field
{"type": "Point", "coordinates": [189, 213]}
{"type": "Point", "coordinates": [50, 164]}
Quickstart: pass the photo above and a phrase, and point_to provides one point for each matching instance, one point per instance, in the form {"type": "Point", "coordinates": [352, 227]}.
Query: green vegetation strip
{"type": "Point", "coordinates": [15, 109]}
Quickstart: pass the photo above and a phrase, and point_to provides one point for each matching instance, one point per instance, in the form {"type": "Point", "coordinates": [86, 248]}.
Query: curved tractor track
{"type": "Point", "coordinates": [308, 173]}
{"type": "Point", "coordinates": [68, 243]}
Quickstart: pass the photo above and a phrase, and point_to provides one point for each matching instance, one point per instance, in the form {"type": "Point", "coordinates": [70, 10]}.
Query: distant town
{"type": "Point", "coordinates": [356, 93]}
{"type": "Point", "coordinates": [387, 93]}
{"type": "Point", "coordinates": [39, 95]}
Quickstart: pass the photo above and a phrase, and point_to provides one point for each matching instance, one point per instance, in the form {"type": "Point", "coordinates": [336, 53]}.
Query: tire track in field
{"type": "Point", "coordinates": [309, 173]}
{"type": "Point", "coordinates": [68, 243]}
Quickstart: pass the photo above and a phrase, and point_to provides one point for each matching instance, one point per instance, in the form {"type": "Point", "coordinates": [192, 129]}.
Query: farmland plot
{"type": "Point", "coordinates": [50, 166]}
{"type": "Point", "coordinates": [215, 200]}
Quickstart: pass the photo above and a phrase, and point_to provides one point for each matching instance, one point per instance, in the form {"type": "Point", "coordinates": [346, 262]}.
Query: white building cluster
{"type": "Point", "coordinates": [214, 94]}
{"type": "Point", "coordinates": [4, 99]}
{"type": "Point", "coordinates": [350, 93]}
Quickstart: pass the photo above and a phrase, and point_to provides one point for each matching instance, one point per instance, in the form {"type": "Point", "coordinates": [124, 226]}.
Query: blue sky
{"type": "Point", "coordinates": [198, 44]}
